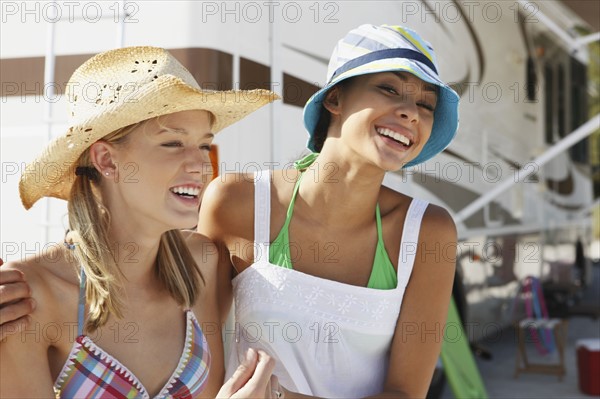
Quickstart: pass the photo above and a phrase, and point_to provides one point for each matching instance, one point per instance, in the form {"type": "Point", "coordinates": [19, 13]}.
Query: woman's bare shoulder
{"type": "Point", "coordinates": [228, 188]}
{"type": "Point", "coordinates": [55, 263]}
{"type": "Point", "coordinates": [395, 201]}
{"type": "Point", "coordinates": [227, 199]}
{"type": "Point", "coordinates": [438, 222]}
{"type": "Point", "coordinates": [51, 276]}
{"type": "Point", "coordinates": [236, 188]}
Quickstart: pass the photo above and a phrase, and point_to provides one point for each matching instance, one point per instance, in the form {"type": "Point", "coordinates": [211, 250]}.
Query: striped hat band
{"type": "Point", "coordinates": [384, 54]}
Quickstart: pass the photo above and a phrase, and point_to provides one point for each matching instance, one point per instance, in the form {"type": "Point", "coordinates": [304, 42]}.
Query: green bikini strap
{"type": "Point", "coordinates": [300, 164]}
{"type": "Point", "coordinates": [305, 162]}
{"type": "Point", "coordinates": [290, 209]}
{"type": "Point", "coordinates": [379, 228]}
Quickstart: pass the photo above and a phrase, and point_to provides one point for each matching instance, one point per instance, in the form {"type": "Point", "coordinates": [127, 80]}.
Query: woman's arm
{"type": "Point", "coordinates": [224, 215]}
{"type": "Point", "coordinates": [24, 366]}
{"type": "Point", "coordinates": [253, 377]}
{"type": "Point", "coordinates": [420, 328]}
{"type": "Point", "coordinates": [206, 308]}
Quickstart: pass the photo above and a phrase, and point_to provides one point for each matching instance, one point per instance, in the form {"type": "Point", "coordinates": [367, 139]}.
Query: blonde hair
{"type": "Point", "coordinates": [89, 222]}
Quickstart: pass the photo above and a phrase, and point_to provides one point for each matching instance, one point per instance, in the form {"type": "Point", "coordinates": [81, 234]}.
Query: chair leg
{"type": "Point", "coordinates": [521, 352]}
{"type": "Point", "coordinates": [560, 337]}
{"type": "Point", "coordinates": [518, 355]}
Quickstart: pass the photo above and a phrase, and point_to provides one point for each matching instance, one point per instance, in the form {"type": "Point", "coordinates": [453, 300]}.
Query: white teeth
{"type": "Point", "coordinates": [395, 135]}
{"type": "Point", "coordinates": [191, 191]}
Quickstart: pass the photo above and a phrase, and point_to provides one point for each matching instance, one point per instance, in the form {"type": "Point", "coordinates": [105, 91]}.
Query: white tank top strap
{"type": "Point", "coordinates": [410, 240]}
{"type": "Point", "coordinates": [262, 213]}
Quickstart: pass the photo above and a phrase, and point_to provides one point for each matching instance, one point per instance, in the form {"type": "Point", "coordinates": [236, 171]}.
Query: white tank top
{"type": "Point", "coordinates": [329, 339]}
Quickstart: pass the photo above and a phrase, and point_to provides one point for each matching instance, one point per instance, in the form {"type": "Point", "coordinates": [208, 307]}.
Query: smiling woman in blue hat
{"type": "Point", "coordinates": [339, 278]}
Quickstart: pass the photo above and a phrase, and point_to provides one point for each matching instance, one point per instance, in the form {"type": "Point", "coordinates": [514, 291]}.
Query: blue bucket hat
{"type": "Point", "coordinates": [371, 49]}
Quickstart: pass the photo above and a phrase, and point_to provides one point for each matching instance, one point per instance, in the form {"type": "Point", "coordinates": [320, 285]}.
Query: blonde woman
{"type": "Point", "coordinates": [127, 308]}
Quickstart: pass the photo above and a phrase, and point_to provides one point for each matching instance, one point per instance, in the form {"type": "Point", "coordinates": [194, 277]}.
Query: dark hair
{"type": "Point", "coordinates": [322, 127]}
{"type": "Point", "coordinates": [320, 134]}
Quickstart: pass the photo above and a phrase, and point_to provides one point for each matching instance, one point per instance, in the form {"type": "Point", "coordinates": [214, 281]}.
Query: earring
{"type": "Point", "coordinates": [106, 173]}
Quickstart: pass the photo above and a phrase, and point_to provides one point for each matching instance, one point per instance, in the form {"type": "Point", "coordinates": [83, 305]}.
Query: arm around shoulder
{"type": "Point", "coordinates": [15, 302]}
{"type": "Point", "coordinates": [24, 366]}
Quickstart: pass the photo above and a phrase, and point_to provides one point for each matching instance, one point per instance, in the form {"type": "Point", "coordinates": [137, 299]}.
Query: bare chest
{"type": "Point", "coordinates": [346, 256]}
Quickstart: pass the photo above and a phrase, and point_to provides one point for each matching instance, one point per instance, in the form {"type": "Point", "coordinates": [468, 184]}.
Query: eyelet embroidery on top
{"type": "Point", "coordinates": [266, 283]}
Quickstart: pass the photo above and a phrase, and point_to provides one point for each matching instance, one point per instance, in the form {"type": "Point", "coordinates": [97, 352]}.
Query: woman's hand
{"type": "Point", "coordinates": [252, 379]}
{"type": "Point", "coordinates": [15, 302]}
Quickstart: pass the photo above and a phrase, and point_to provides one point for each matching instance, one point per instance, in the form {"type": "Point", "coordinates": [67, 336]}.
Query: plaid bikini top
{"type": "Point", "coordinates": [90, 372]}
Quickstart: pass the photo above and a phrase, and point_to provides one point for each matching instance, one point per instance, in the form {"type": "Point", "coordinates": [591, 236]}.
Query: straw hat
{"type": "Point", "coordinates": [372, 49]}
{"type": "Point", "coordinates": [118, 88]}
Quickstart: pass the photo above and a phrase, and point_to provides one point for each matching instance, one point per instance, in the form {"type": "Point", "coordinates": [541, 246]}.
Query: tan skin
{"type": "Point", "coordinates": [152, 331]}
{"type": "Point", "coordinates": [338, 207]}
{"type": "Point", "coordinates": [14, 311]}
{"type": "Point", "coordinates": [336, 204]}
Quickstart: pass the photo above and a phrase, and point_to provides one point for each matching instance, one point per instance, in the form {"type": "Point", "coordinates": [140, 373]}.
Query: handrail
{"type": "Point", "coordinates": [587, 39]}
{"type": "Point", "coordinates": [568, 141]}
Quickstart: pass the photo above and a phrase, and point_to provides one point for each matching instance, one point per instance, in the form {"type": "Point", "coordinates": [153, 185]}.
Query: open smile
{"type": "Point", "coordinates": [189, 195]}
{"type": "Point", "coordinates": [395, 138]}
